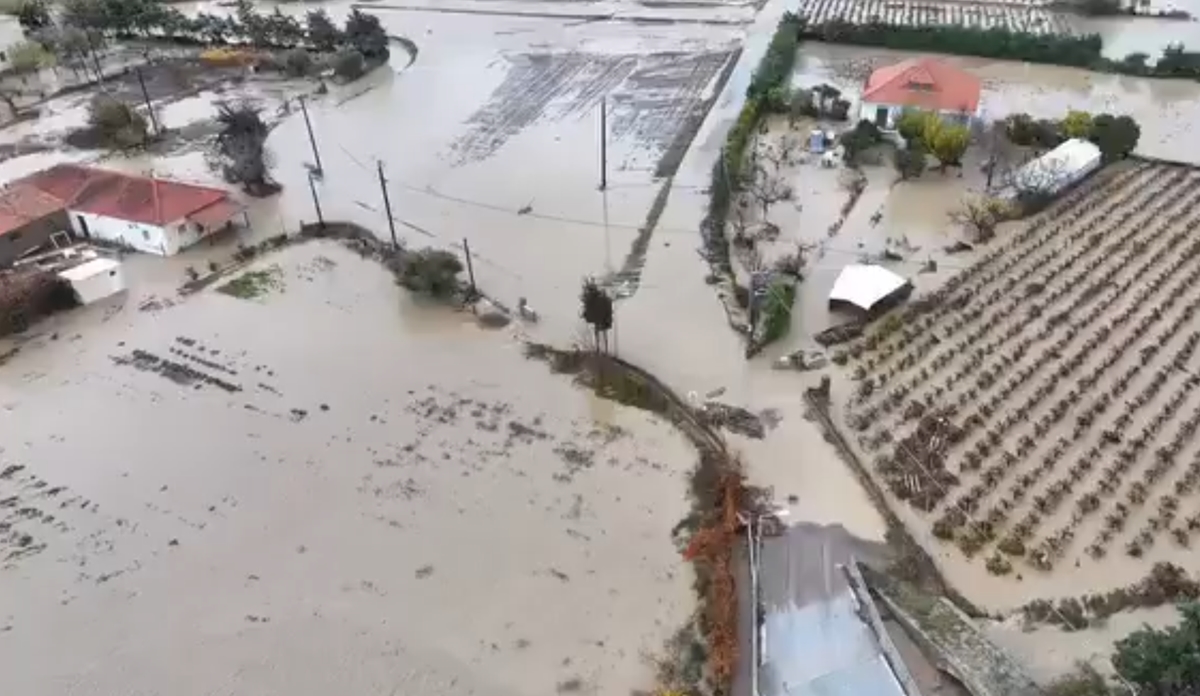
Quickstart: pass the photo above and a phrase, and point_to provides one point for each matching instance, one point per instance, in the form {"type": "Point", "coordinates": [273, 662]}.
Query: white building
{"type": "Point", "coordinates": [868, 288]}
{"type": "Point", "coordinates": [923, 84]}
{"type": "Point", "coordinates": [95, 279]}
{"type": "Point", "coordinates": [155, 216]}
{"type": "Point", "coordinates": [1054, 171]}
{"type": "Point", "coordinates": [11, 34]}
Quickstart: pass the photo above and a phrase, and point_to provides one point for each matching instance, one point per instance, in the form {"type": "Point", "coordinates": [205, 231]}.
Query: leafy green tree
{"type": "Point", "coordinates": [297, 63]}
{"type": "Point", "coordinates": [910, 161]}
{"type": "Point", "coordinates": [1077, 124]}
{"type": "Point", "coordinates": [85, 14]}
{"type": "Point", "coordinates": [33, 14]}
{"type": "Point", "coordinates": [911, 125]}
{"type": "Point", "coordinates": [366, 34]}
{"type": "Point", "coordinates": [1163, 662]}
{"type": "Point", "coordinates": [1021, 129]}
{"type": "Point", "coordinates": [252, 26]}
{"type": "Point", "coordinates": [597, 311]}
{"type": "Point", "coordinates": [1116, 136]}
{"type": "Point", "coordinates": [948, 144]}
{"type": "Point", "coordinates": [323, 34]}
{"type": "Point", "coordinates": [1135, 63]}
{"type": "Point", "coordinates": [285, 30]}
{"type": "Point", "coordinates": [116, 123]}
{"type": "Point", "coordinates": [349, 64]}
{"type": "Point", "coordinates": [432, 272]}
{"type": "Point", "coordinates": [29, 56]}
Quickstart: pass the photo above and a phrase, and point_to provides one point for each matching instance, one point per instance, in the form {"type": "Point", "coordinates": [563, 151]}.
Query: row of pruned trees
{"type": "Point", "coordinates": [83, 24]}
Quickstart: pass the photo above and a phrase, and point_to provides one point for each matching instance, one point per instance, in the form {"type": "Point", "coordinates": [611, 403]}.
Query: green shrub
{"type": "Point", "coordinates": [777, 309]}
{"type": "Point", "coordinates": [349, 64]}
{"type": "Point", "coordinates": [298, 63]}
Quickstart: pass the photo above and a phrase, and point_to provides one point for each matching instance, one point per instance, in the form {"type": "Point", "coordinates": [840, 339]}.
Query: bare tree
{"type": "Point", "coordinates": [1036, 182]}
{"type": "Point", "coordinates": [980, 216]}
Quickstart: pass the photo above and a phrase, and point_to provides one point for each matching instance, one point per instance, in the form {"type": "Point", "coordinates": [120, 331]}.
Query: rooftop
{"type": "Point", "coordinates": [924, 83]}
{"type": "Point", "coordinates": [21, 204]}
{"type": "Point", "coordinates": [124, 196]}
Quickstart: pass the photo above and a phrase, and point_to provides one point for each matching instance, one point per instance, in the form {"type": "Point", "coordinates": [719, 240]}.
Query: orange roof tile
{"type": "Point", "coordinates": [924, 83]}
{"type": "Point", "coordinates": [124, 196]}
{"type": "Point", "coordinates": [21, 204]}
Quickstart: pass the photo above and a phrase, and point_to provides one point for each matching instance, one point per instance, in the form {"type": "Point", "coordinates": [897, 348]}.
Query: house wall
{"type": "Point", "coordinates": [189, 233]}
{"type": "Point", "coordinates": [99, 286]}
{"type": "Point", "coordinates": [150, 239]}
{"type": "Point", "coordinates": [17, 243]}
{"type": "Point", "coordinates": [868, 112]}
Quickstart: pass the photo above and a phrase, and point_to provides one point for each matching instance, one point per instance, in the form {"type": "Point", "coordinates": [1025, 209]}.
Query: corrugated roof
{"type": "Point", "coordinates": [21, 204]}
{"type": "Point", "coordinates": [924, 83]}
{"type": "Point", "coordinates": [823, 649]}
{"type": "Point", "coordinates": [124, 196]}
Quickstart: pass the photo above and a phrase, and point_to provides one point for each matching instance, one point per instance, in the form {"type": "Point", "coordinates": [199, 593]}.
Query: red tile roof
{"type": "Point", "coordinates": [924, 83]}
{"type": "Point", "coordinates": [124, 196]}
{"type": "Point", "coordinates": [21, 204]}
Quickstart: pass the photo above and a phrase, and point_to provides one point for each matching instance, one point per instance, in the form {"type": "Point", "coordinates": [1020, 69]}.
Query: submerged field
{"type": "Point", "coordinates": [1037, 416]}
{"type": "Point", "coordinates": [323, 487]}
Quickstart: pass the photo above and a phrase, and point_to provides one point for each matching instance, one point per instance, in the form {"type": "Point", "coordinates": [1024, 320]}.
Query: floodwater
{"type": "Point", "coordinates": [389, 500]}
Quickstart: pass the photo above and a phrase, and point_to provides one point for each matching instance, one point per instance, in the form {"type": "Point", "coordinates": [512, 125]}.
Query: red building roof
{"type": "Point", "coordinates": [924, 83]}
{"type": "Point", "coordinates": [124, 196]}
{"type": "Point", "coordinates": [21, 204]}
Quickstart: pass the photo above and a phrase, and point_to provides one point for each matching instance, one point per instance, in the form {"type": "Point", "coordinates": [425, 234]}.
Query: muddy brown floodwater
{"type": "Point", "coordinates": [326, 489]}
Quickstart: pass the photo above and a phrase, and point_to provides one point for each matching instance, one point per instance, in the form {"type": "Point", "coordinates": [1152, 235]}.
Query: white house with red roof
{"type": "Point", "coordinates": [156, 216]}
{"type": "Point", "coordinates": [925, 84]}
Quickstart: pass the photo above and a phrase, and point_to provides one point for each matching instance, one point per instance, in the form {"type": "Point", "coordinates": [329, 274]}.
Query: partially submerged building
{"type": "Point", "coordinates": [155, 216]}
{"type": "Point", "coordinates": [924, 84]}
{"type": "Point", "coordinates": [1055, 171]}
{"type": "Point", "coordinates": [29, 217]}
{"type": "Point", "coordinates": [868, 289]}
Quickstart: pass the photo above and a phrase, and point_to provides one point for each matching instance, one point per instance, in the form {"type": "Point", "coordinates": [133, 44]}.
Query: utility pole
{"type": "Point", "coordinates": [312, 186]}
{"type": "Point", "coordinates": [387, 206]}
{"type": "Point", "coordinates": [603, 143]}
{"type": "Point", "coordinates": [146, 97]}
{"type": "Point", "coordinates": [470, 267]}
{"type": "Point", "coordinates": [320, 171]}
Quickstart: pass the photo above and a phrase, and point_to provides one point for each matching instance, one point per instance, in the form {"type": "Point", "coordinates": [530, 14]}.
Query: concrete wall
{"type": "Point", "coordinates": [150, 239]}
{"type": "Point", "coordinates": [17, 243]}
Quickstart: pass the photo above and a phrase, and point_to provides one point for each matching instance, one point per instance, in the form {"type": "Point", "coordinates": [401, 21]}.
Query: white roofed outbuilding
{"type": "Point", "coordinates": [95, 279]}
{"type": "Point", "coordinates": [868, 287]}
{"type": "Point", "coordinates": [1064, 166]}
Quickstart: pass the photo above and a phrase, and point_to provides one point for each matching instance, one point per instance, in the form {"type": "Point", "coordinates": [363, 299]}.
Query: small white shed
{"type": "Point", "coordinates": [867, 287]}
{"type": "Point", "coordinates": [94, 280]}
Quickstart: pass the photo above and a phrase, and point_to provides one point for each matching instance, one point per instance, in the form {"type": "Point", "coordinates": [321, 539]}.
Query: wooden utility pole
{"type": "Point", "coordinates": [470, 267]}
{"type": "Point", "coordinates": [603, 143]}
{"type": "Point", "coordinates": [387, 206]}
{"type": "Point", "coordinates": [146, 97]}
{"type": "Point", "coordinates": [312, 140]}
{"type": "Point", "coordinates": [312, 186]}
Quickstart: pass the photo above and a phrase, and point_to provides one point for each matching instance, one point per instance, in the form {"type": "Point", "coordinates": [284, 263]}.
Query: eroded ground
{"type": "Point", "coordinates": [325, 487]}
{"type": "Point", "coordinates": [1040, 413]}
